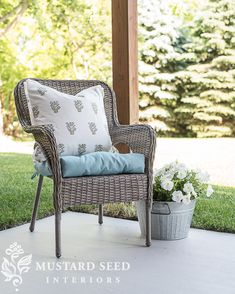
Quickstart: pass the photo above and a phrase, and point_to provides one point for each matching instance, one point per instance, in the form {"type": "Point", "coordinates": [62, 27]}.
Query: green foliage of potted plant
{"type": "Point", "coordinates": [175, 190]}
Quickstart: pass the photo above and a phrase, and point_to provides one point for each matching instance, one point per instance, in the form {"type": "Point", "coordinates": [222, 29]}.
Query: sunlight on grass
{"type": "Point", "coordinates": [17, 194]}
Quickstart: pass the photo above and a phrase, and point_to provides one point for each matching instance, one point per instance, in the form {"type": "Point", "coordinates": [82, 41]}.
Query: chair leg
{"type": "Point", "coordinates": [36, 203]}
{"type": "Point", "coordinates": [148, 222]}
{"type": "Point", "coordinates": [58, 233]}
{"type": "Point", "coordinates": [100, 214]}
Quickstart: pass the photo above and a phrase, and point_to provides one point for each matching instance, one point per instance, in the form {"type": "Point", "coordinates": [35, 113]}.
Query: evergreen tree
{"type": "Point", "coordinates": [207, 88]}
{"type": "Point", "coordinates": [160, 51]}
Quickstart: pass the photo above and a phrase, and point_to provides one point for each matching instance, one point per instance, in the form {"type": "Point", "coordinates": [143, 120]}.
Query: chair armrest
{"type": "Point", "coordinates": [140, 139]}
{"type": "Point", "coordinates": [45, 137]}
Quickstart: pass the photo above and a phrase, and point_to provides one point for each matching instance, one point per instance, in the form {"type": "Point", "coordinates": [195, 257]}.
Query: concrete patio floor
{"type": "Point", "coordinates": [202, 263]}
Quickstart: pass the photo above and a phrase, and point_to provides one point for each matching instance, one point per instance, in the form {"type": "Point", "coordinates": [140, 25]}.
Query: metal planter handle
{"type": "Point", "coordinates": [163, 213]}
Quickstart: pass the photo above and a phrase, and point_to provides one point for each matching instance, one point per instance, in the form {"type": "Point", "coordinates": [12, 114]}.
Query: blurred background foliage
{"type": "Point", "coordinates": [186, 53]}
{"type": "Point", "coordinates": [60, 39]}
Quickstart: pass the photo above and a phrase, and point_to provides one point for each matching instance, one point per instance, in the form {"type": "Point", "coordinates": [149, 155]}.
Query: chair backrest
{"type": "Point", "coordinates": [71, 87]}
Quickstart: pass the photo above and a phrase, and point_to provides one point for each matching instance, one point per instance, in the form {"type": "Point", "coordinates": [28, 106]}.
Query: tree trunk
{"type": "Point", "coordinates": [18, 11]}
{"type": "Point", "coordinates": [1, 120]}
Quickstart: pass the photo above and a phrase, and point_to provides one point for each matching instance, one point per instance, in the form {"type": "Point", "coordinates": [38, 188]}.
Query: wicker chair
{"type": "Point", "coordinates": [68, 192]}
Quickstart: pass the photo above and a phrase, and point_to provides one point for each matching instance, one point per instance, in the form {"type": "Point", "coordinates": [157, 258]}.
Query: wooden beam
{"type": "Point", "coordinates": [125, 59]}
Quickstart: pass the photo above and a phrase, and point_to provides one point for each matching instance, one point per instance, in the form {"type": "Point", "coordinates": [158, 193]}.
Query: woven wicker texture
{"type": "Point", "coordinates": [96, 189]}
{"type": "Point", "coordinates": [103, 189]}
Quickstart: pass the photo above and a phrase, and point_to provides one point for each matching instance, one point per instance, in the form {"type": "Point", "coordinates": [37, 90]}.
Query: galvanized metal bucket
{"type": "Point", "coordinates": [169, 220]}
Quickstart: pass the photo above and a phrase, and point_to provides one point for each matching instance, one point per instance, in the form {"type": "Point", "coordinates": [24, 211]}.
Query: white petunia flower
{"type": "Point", "coordinates": [169, 165]}
{"type": "Point", "coordinates": [177, 196]}
{"type": "Point", "coordinates": [209, 191]}
{"type": "Point", "coordinates": [167, 184]}
{"type": "Point", "coordinates": [182, 173]}
{"type": "Point", "coordinates": [167, 176]}
{"type": "Point", "coordinates": [186, 199]}
{"type": "Point", "coordinates": [188, 188]}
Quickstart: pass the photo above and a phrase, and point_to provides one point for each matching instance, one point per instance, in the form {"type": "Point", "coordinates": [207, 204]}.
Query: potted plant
{"type": "Point", "coordinates": [175, 190]}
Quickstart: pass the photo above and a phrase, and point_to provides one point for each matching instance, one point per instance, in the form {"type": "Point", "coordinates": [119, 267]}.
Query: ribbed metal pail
{"type": "Point", "coordinates": [169, 220]}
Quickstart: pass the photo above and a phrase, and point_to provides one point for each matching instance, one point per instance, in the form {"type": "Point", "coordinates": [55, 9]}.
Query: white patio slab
{"type": "Point", "coordinates": [202, 263]}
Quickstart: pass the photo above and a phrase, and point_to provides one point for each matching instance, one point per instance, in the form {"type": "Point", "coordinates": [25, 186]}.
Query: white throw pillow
{"type": "Point", "coordinates": [79, 122]}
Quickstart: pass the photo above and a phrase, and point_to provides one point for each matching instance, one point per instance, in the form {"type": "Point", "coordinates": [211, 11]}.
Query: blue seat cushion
{"type": "Point", "coordinates": [96, 163]}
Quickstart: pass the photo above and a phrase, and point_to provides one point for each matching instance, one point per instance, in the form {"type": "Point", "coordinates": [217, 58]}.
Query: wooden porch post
{"type": "Point", "coordinates": [125, 59]}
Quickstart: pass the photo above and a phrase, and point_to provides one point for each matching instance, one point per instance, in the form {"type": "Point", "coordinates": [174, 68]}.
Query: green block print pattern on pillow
{"type": "Point", "coordinates": [78, 122]}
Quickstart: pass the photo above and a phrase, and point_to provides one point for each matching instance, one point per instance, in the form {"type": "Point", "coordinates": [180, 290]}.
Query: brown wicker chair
{"type": "Point", "coordinates": [68, 192]}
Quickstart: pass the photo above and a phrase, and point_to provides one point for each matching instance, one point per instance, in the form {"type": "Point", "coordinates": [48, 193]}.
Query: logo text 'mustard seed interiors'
{"type": "Point", "coordinates": [15, 264]}
{"type": "Point", "coordinates": [86, 266]}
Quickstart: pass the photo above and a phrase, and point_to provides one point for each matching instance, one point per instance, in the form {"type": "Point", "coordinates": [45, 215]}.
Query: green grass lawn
{"type": "Point", "coordinates": [17, 190]}
{"type": "Point", "coordinates": [17, 195]}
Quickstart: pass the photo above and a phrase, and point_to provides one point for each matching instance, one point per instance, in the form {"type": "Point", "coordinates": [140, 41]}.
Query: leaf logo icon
{"type": "Point", "coordinates": [15, 265]}
{"type": "Point", "coordinates": [23, 263]}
